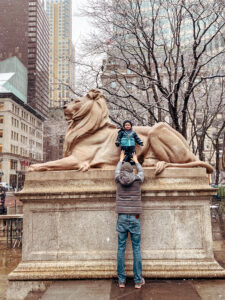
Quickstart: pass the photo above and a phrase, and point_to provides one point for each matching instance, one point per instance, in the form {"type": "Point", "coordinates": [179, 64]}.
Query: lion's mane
{"type": "Point", "coordinates": [92, 115]}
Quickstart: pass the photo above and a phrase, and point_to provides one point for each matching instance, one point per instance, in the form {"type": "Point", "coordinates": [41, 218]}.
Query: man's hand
{"type": "Point", "coordinates": [122, 155]}
{"type": "Point", "coordinates": [134, 158]}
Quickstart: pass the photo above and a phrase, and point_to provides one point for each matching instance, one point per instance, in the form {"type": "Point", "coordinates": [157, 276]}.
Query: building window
{"type": "Point", "coordinates": [0, 148]}
{"type": "Point", "coordinates": [13, 164]}
{"type": "Point", "coordinates": [113, 84]}
{"type": "Point", "coordinates": [31, 34]}
{"type": "Point", "coordinates": [128, 85]}
{"type": "Point", "coordinates": [1, 106]}
{"type": "Point", "coordinates": [1, 133]}
{"type": "Point", "coordinates": [1, 119]}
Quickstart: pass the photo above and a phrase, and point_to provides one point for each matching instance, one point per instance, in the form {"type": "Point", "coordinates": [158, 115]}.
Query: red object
{"type": "Point", "coordinates": [108, 41]}
{"type": "Point", "coordinates": [26, 163]}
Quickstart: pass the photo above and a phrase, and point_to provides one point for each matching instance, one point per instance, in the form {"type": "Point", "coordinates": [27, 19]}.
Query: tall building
{"type": "Point", "coordinates": [25, 33]}
{"type": "Point", "coordinates": [61, 52]}
{"type": "Point", "coordinates": [21, 127]}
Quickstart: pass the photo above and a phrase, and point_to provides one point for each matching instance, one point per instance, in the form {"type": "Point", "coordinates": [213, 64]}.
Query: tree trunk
{"type": "Point", "coordinates": [217, 162]}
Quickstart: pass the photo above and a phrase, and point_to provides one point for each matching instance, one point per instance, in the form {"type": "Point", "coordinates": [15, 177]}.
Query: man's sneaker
{"type": "Point", "coordinates": [122, 284]}
{"type": "Point", "coordinates": [138, 285]}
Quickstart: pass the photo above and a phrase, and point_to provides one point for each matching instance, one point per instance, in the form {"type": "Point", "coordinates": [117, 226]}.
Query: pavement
{"type": "Point", "coordinates": [158, 289]}
{"type": "Point", "coordinates": [152, 290]}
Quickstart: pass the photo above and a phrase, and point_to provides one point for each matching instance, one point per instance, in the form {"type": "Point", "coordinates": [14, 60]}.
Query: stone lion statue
{"type": "Point", "coordinates": [90, 141]}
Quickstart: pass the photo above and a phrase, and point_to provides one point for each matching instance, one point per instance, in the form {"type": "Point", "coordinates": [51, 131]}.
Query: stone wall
{"type": "Point", "coordinates": [70, 226]}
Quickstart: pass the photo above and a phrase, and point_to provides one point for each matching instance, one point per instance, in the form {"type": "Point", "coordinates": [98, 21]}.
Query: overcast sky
{"type": "Point", "coordinates": [81, 26]}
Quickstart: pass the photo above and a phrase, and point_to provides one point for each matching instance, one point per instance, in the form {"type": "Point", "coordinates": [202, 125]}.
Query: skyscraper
{"type": "Point", "coordinates": [60, 76]}
{"type": "Point", "coordinates": [25, 33]}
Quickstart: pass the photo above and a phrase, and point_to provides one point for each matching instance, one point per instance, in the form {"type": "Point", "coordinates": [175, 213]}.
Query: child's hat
{"type": "Point", "coordinates": [127, 121]}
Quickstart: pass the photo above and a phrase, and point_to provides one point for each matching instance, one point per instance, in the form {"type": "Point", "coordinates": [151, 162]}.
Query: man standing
{"type": "Point", "coordinates": [2, 206]}
{"type": "Point", "coordinates": [128, 207]}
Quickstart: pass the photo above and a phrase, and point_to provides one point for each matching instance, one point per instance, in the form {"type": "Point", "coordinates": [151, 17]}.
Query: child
{"type": "Point", "coordinates": [126, 139]}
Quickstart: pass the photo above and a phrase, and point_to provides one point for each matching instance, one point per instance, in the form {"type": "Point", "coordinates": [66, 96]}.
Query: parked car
{"type": "Point", "coordinates": [5, 185]}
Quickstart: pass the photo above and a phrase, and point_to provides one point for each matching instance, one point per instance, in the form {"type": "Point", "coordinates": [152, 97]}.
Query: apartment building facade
{"type": "Point", "coordinates": [21, 139]}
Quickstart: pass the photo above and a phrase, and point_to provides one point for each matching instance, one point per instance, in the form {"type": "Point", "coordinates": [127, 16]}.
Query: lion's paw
{"type": "Point", "coordinates": [160, 166]}
{"type": "Point", "coordinates": [84, 166]}
{"type": "Point", "coordinates": [36, 168]}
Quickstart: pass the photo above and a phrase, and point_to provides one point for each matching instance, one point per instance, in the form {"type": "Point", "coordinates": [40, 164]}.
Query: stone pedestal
{"type": "Point", "coordinates": [70, 226]}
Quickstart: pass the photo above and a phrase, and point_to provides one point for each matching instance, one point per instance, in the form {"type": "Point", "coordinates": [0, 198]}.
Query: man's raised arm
{"type": "Point", "coordinates": [139, 167]}
{"type": "Point", "coordinates": [118, 167]}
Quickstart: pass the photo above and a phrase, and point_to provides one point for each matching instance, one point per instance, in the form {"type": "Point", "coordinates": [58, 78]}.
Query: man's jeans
{"type": "Point", "coordinates": [129, 223]}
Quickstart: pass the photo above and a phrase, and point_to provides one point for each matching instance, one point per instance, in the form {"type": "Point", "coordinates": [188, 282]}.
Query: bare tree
{"type": "Point", "coordinates": [206, 115]}
{"type": "Point", "coordinates": [156, 54]}
{"type": "Point", "coordinates": [54, 132]}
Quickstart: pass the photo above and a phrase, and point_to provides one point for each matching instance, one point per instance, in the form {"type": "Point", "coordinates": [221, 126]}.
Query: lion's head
{"type": "Point", "coordinates": [84, 115]}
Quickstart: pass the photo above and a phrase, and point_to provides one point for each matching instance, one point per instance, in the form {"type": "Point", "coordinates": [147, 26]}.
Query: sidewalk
{"type": "Point", "coordinates": [168, 289]}
{"type": "Point", "coordinates": [190, 289]}
{"type": "Point", "coordinates": [153, 290]}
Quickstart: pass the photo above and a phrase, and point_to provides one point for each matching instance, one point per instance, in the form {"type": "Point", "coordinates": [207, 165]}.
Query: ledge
{"type": "Point", "coordinates": [100, 181]}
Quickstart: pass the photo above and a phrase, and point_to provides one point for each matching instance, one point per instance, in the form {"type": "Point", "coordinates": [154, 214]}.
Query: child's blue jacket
{"type": "Point", "coordinates": [127, 138]}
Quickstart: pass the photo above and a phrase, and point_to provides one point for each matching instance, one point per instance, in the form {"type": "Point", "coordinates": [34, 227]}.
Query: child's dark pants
{"type": "Point", "coordinates": [128, 150]}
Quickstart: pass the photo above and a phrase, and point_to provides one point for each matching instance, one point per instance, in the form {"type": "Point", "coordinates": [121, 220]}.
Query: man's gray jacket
{"type": "Point", "coordinates": [128, 195]}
